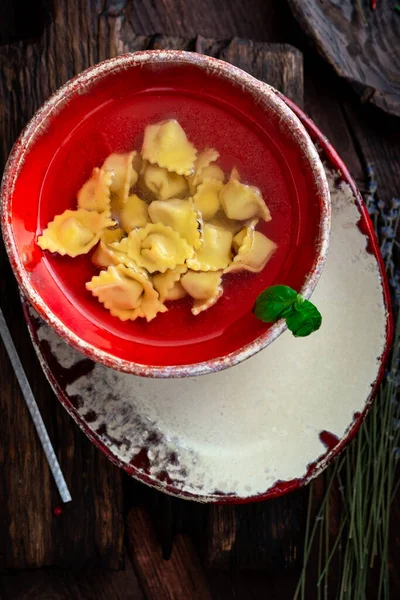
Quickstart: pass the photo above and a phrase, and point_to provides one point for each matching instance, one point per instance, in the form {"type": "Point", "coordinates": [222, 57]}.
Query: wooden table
{"type": "Point", "coordinates": [116, 529]}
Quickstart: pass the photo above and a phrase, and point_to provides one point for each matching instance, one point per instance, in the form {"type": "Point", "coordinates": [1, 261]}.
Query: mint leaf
{"type": "Point", "coordinates": [274, 303]}
{"type": "Point", "coordinates": [304, 318]}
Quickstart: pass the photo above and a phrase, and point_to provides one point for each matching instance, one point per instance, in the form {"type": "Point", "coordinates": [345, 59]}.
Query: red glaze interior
{"type": "Point", "coordinates": [110, 117]}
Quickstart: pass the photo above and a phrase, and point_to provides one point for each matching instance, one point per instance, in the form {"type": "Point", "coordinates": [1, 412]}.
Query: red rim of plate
{"type": "Point", "coordinates": [318, 466]}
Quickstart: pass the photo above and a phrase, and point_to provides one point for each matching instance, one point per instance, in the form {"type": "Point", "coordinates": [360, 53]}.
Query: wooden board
{"type": "Point", "coordinates": [82, 584]}
{"type": "Point", "coordinates": [360, 44]}
{"type": "Point", "coordinates": [91, 529]}
{"type": "Point", "coordinates": [327, 100]}
{"type": "Point", "coordinates": [180, 577]}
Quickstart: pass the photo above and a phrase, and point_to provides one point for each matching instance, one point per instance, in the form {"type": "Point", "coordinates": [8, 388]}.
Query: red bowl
{"type": "Point", "coordinates": [104, 110]}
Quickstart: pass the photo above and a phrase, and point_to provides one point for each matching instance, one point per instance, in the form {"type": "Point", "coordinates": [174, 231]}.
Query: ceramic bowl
{"type": "Point", "coordinates": [104, 110]}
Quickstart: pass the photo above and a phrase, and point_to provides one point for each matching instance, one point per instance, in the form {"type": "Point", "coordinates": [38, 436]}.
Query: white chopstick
{"type": "Point", "coordinates": [34, 410]}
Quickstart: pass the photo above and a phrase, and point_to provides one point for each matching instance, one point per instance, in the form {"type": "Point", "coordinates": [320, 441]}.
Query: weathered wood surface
{"type": "Point", "coordinates": [82, 584]}
{"type": "Point", "coordinates": [182, 576]}
{"type": "Point", "coordinates": [362, 45]}
{"type": "Point", "coordinates": [74, 38]}
{"type": "Point", "coordinates": [262, 536]}
{"type": "Point", "coordinates": [30, 72]}
{"type": "Point", "coordinates": [90, 531]}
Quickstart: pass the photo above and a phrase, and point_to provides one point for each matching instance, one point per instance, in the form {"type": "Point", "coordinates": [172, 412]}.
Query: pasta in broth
{"type": "Point", "coordinates": [164, 223]}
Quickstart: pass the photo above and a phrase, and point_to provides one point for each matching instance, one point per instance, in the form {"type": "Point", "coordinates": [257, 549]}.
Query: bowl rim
{"type": "Point", "coordinates": [264, 94]}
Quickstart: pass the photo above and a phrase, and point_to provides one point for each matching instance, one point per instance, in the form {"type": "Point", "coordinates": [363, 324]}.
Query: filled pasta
{"type": "Point", "coordinates": [74, 232]}
{"type": "Point", "coordinates": [206, 198]}
{"type": "Point", "coordinates": [133, 213]}
{"type": "Point", "coordinates": [126, 293]}
{"type": "Point", "coordinates": [124, 176]}
{"type": "Point", "coordinates": [215, 253]}
{"type": "Point", "coordinates": [156, 247]}
{"type": "Point", "coordinates": [161, 224]}
{"type": "Point", "coordinates": [205, 288]}
{"type": "Point", "coordinates": [205, 168]}
{"type": "Point", "coordinates": [253, 251]}
{"type": "Point", "coordinates": [166, 145]}
{"type": "Point", "coordinates": [104, 256]}
{"type": "Point", "coordinates": [95, 193]}
{"type": "Point", "coordinates": [222, 221]}
{"type": "Point", "coordinates": [163, 183]}
{"type": "Point", "coordinates": [241, 202]}
{"type": "Point", "coordinates": [168, 284]}
{"type": "Point", "coordinates": [182, 216]}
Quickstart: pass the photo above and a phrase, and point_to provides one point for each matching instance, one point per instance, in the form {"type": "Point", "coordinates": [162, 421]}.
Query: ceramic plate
{"type": "Point", "coordinates": [268, 425]}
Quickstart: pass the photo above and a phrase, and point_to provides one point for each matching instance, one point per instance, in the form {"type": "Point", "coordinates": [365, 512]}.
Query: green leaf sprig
{"type": "Point", "coordinates": [281, 301]}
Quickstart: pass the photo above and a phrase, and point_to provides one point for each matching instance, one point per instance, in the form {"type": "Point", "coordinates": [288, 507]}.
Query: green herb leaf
{"type": "Point", "coordinates": [281, 301]}
{"type": "Point", "coordinates": [304, 318]}
{"type": "Point", "coordinates": [274, 302]}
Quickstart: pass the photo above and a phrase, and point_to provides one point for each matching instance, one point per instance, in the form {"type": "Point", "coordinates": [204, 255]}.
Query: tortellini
{"type": "Point", "coordinates": [205, 288]}
{"type": "Point", "coordinates": [124, 176]}
{"type": "Point", "coordinates": [242, 202]}
{"type": "Point", "coordinates": [182, 216]}
{"type": "Point", "coordinates": [222, 221]}
{"type": "Point", "coordinates": [104, 255]}
{"type": "Point", "coordinates": [156, 247]}
{"type": "Point", "coordinates": [206, 198]}
{"type": "Point", "coordinates": [168, 284]}
{"type": "Point", "coordinates": [253, 251]}
{"type": "Point", "coordinates": [163, 183]}
{"type": "Point", "coordinates": [166, 145]}
{"type": "Point", "coordinates": [161, 224]}
{"type": "Point", "coordinates": [126, 293]}
{"type": "Point", "coordinates": [95, 193]}
{"type": "Point", "coordinates": [216, 251]}
{"type": "Point", "coordinates": [74, 232]}
{"type": "Point", "coordinates": [133, 213]}
{"type": "Point", "coordinates": [205, 168]}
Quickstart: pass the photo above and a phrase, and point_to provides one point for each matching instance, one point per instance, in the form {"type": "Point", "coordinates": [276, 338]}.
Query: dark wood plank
{"type": "Point", "coordinates": [323, 102]}
{"type": "Point", "coordinates": [181, 577]}
{"type": "Point", "coordinates": [210, 46]}
{"type": "Point", "coordinates": [164, 42]}
{"type": "Point", "coordinates": [91, 529]}
{"type": "Point", "coordinates": [22, 19]}
{"type": "Point", "coordinates": [254, 585]}
{"type": "Point", "coordinates": [83, 584]}
{"type": "Point", "coordinates": [280, 65]}
{"type": "Point", "coordinates": [378, 144]}
{"type": "Point", "coordinates": [360, 44]}
{"type": "Point", "coordinates": [261, 536]}
{"type": "Point", "coordinates": [257, 19]}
